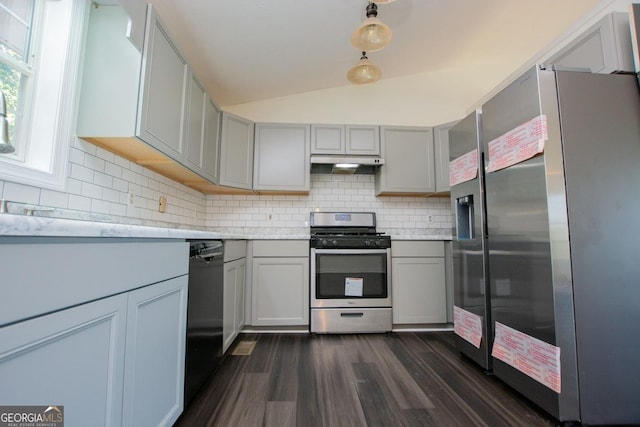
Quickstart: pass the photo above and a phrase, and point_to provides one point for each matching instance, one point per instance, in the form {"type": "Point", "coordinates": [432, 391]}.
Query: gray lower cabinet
{"type": "Point", "coordinates": [73, 358]}
{"type": "Point", "coordinates": [408, 161]}
{"type": "Point", "coordinates": [603, 48]}
{"type": "Point", "coordinates": [233, 294]}
{"type": "Point", "coordinates": [99, 328]}
{"type": "Point", "coordinates": [236, 152]}
{"type": "Point", "coordinates": [280, 283]}
{"type": "Point", "coordinates": [154, 355]}
{"type": "Point", "coordinates": [281, 157]}
{"type": "Point", "coordinates": [418, 282]}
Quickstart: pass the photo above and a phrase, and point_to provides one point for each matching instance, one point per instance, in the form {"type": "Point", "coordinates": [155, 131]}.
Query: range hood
{"type": "Point", "coordinates": [345, 164]}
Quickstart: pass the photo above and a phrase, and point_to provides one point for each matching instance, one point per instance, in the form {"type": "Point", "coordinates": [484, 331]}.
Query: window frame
{"type": "Point", "coordinates": [51, 172]}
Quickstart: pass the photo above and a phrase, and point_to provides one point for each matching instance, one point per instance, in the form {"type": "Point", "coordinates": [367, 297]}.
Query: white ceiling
{"type": "Point", "coordinates": [252, 50]}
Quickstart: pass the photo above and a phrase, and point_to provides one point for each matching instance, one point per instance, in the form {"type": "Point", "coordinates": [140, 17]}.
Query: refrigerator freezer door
{"type": "Point", "coordinates": [470, 277]}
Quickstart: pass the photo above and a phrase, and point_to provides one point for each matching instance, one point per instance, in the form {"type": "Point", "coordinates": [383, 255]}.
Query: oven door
{"type": "Point", "coordinates": [350, 278]}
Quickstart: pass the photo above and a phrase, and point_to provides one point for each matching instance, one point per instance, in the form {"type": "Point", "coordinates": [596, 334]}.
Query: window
{"type": "Point", "coordinates": [40, 44]}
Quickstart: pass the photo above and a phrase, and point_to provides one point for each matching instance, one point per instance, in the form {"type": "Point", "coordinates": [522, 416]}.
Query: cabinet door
{"type": "Point", "coordinates": [194, 155]}
{"type": "Point", "coordinates": [364, 140]}
{"type": "Point", "coordinates": [240, 285]}
{"type": "Point", "coordinates": [282, 157]}
{"type": "Point", "coordinates": [236, 152]}
{"type": "Point", "coordinates": [164, 77]}
{"type": "Point", "coordinates": [409, 165]}
{"type": "Point", "coordinates": [280, 293]}
{"type": "Point", "coordinates": [441, 156]}
{"type": "Point", "coordinates": [328, 139]}
{"type": "Point", "coordinates": [229, 309]}
{"type": "Point", "coordinates": [73, 358]}
{"type": "Point", "coordinates": [211, 141]}
{"type": "Point", "coordinates": [155, 354]}
{"type": "Point", "coordinates": [604, 48]}
{"type": "Point", "coordinates": [419, 290]}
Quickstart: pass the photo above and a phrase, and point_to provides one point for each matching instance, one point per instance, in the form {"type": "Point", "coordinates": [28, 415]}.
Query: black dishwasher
{"type": "Point", "coordinates": [204, 314]}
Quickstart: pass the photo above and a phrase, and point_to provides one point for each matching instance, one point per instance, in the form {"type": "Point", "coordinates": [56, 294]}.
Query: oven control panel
{"type": "Point", "coordinates": [351, 242]}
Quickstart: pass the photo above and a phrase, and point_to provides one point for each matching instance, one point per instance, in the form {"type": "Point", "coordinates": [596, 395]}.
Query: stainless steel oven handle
{"type": "Point", "coordinates": [352, 314]}
{"type": "Point", "coordinates": [350, 251]}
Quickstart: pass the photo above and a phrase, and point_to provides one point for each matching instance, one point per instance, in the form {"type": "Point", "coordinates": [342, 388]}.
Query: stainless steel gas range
{"type": "Point", "coordinates": [350, 273]}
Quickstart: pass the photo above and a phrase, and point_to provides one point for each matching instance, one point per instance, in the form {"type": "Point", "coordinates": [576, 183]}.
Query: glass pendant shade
{"type": "Point", "coordinates": [383, 1]}
{"type": "Point", "coordinates": [372, 35]}
{"type": "Point", "coordinates": [364, 72]}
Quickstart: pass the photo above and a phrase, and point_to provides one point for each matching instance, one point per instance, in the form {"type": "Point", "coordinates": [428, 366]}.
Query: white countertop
{"type": "Point", "coordinates": [39, 226]}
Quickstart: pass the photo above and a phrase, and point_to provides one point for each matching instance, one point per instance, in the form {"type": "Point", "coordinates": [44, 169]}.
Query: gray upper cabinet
{"type": "Point", "coordinates": [211, 141]}
{"type": "Point", "coordinates": [165, 78]}
{"type": "Point", "coordinates": [236, 152]}
{"type": "Point", "coordinates": [362, 140]}
{"type": "Point", "coordinates": [281, 159]}
{"type": "Point", "coordinates": [441, 156]}
{"type": "Point", "coordinates": [328, 139]}
{"type": "Point", "coordinates": [409, 163]}
{"type": "Point", "coordinates": [345, 140]}
{"type": "Point", "coordinates": [147, 106]}
{"type": "Point", "coordinates": [194, 155]}
{"type": "Point", "coordinates": [604, 48]}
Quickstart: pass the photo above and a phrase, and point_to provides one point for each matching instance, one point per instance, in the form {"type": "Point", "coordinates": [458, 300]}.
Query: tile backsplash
{"type": "Point", "coordinates": [105, 187]}
{"type": "Point", "coordinates": [400, 215]}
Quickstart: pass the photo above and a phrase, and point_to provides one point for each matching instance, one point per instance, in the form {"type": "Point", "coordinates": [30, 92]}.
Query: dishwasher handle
{"type": "Point", "coordinates": [208, 251]}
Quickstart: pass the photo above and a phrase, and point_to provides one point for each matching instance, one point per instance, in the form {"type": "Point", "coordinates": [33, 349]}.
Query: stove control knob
{"type": "Point", "coordinates": [323, 242]}
{"type": "Point", "coordinates": [377, 242]}
{"type": "Point", "coordinates": [367, 242]}
{"type": "Point", "coordinates": [335, 243]}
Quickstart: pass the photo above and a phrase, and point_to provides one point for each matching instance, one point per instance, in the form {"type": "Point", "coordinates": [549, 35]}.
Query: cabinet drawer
{"type": "Point", "coordinates": [417, 248]}
{"type": "Point", "coordinates": [281, 248]}
{"type": "Point", "coordinates": [234, 249]}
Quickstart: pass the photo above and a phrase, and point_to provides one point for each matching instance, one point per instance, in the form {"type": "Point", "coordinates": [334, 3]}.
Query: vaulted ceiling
{"type": "Point", "coordinates": [251, 50]}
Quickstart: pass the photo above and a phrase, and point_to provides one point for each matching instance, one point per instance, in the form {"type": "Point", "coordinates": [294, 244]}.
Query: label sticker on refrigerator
{"type": "Point", "coordinates": [353, 286]}
{"type": "Point", "coordinates": [517, 145]}
{"type": "Point", "coordinates": [464, 168]}
{"type": "Point", "coordinates": [467, 325]}
{"type": "Point", "coordinates": [531, 356]}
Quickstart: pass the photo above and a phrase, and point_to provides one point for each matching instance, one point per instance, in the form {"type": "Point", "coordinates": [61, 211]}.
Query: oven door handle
{"type": "Point", "coordinates": [350, 251]}
{"type": "Point", "coordinates": [358, 314]}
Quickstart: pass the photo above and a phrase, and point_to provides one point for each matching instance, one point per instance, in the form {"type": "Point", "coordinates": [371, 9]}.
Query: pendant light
{"type": "Point", "coordinates": [372, 35]}
{"type": "Point", "coordinates": [383, 1]}
{"type": "Point", "coordinates": [364, 72]}
{"type": "Point", "coordinates": [5, 144]}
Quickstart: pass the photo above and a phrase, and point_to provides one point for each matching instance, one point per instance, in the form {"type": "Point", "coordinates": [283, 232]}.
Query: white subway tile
{"type": "Point", "coordinates": [91, 190]}
{"type": "Point", "coordinates": [102, 179]}
{"type": "Point", "coordinates": [100, 206]}
{"type": "Point", "coordinates": [21, 193]}
{"type": "Point", "coordinates": [81, 173]}
{"type": "Point", "coordinates": [113, 170]}
{"type": "Point", "coordinates": [79, 203]}
{"type": "Point", "coordinates": [56, 199]}
{"type": "Point", "coordinates": [93, 162]}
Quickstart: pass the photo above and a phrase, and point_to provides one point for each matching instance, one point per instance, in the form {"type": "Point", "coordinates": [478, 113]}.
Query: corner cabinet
{"type": "Point", "coordinates": [418, 282]}
{"type": "Point", "coordinates": [236, 152]}
{"type": "Point", "coordinates": [280, 283]}
{"type": "Point", "coordinates": [408, 161]}
{"type": "Point", "coordinates": [281, 157]}
{"type": "Point", "coordinates": [345, 140]}
{"type": "Point", "coordinates": [96, 338]}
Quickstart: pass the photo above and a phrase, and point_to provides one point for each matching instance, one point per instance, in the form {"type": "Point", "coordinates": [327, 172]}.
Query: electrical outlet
{"type": "Point", "coordinates": [162, 206]}
{"type": "Point", "coordinates": [131, 197]}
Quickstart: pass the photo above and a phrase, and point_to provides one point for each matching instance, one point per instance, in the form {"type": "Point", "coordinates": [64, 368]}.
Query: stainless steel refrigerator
{"type": "Point", "coordinates": [472, 315]}
{"type": "Point", "coordinates": [562, 162]}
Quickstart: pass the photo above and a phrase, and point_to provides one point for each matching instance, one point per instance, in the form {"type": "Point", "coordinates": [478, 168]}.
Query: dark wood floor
{"type": "Point", "coordinates": [396, 379]}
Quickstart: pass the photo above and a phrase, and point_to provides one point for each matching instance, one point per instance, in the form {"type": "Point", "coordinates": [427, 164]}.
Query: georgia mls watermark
{"type": "Point", "coordinates": [31, 416]}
